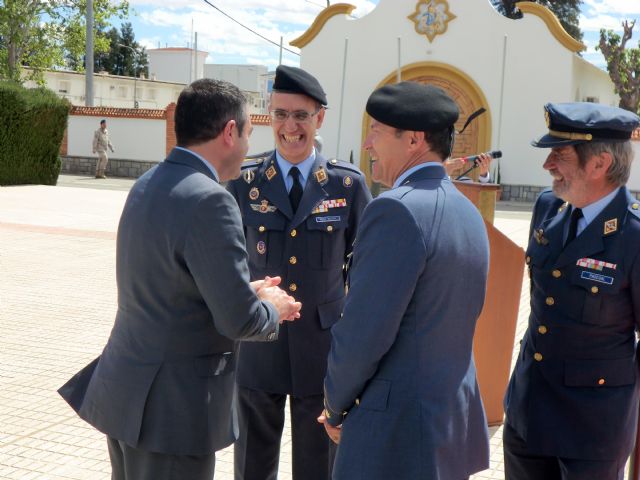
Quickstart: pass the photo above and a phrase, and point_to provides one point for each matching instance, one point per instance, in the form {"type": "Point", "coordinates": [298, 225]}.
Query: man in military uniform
{"type": "Point", "coordinates": [401, 380]}
{"type": "Point", "coordinates": [572, 402]}
{"type": "Point", "coordinates": [100, 145]}
{"type": "Point", "coordinates": [300, 212]}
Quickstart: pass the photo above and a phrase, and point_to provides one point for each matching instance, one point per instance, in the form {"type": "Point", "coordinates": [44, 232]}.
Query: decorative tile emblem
{"type": "Point", "coordinates": [431, 17]}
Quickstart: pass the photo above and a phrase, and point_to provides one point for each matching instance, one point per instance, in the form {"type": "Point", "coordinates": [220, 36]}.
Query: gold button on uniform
{"type": "Point", "coordinates": [601, 381]}
{"type": "Point", "coordinates": [527, 260]}
{"type": "Point", "coordinates": [293, 260]}
{"type": "Point", "coordinates": [550, 301]}
{"type": "Point", "coordinates": [556, 274]}
{"type": "Point", "coordinates": [635, 206]}
{"type": "Point", "coordinates": [293, 287]}
{"type": "Point", "coordinates": [329, 228]}
{"type": "Point", "coordinates": [537, 356]}
{"type": "Point", "coordinates": [594, 289]}
{"type": "Point", "coordinates": [357, 401]}
{"type": "Point", "coordinates": [542, 329]}
{"type": "Point", "coordinates": [294, 232]}
{"type": "Point", "coordinates": [261, 228]}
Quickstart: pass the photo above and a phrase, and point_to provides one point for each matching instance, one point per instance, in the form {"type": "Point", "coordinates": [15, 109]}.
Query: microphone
{"type": "Point", "coordinates": [473, 158]}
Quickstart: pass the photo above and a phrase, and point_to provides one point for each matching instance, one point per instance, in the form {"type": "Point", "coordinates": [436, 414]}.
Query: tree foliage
{"type": "Point", "coordinates": [43, 34]}
{"type": "Point", "coordinates": [567, 11]}
{"type": "Point", "coordinates": [125, 56]}
{"type": "Point", "coordinates": [623, 65]}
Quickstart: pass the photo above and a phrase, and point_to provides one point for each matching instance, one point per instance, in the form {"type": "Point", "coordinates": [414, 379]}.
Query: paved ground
{"type": "Point", "coordinates": [57, 304]}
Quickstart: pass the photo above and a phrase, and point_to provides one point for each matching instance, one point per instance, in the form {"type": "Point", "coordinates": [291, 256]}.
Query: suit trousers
{"type": "Point", "coordinates": [257, 450]}
{"type": "Point", "coordinates": [520, 464]}
{"type": "Point", "coordinates": [129, 463]}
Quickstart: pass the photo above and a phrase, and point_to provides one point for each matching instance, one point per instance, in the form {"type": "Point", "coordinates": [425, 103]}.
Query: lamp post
{"type": "Point", "coordinates": [135, 74]}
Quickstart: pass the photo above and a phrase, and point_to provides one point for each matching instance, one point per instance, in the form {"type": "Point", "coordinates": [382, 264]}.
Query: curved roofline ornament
{"type": "Point", "coordinates": [553, 24]}
{"type": "Point", "coordinates": [318, 23]}
{"type": "Point", "coordinates": [431, 18]}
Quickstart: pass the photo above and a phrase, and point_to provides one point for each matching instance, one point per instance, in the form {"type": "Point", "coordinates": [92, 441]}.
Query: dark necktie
{"type": "Point", "coordinates": [295, 194]}
{"type": "Point", "coordinates": [576, 214]}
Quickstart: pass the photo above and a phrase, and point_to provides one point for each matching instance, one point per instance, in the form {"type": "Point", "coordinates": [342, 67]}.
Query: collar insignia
{"type": "Point", "coordinates": [610, 226]}
{"type": "Point", "coordinates": [271, 172]}
{"type": "Point", "coordinates": [321, 175]}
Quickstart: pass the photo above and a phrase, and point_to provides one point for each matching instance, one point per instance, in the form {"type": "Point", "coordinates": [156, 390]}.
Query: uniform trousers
{"type": "Point", "coordinates": [129, 463]}
{"type": "Point", "coordinates": [101, 165]}
{"type": "Point", "coordinates": [257, 450]}
{"type": "Point", "coordinates": [521, 464]}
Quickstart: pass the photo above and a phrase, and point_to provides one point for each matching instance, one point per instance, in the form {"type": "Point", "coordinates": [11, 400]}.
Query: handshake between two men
{"type": "Point", "coordinates": [268, 290]}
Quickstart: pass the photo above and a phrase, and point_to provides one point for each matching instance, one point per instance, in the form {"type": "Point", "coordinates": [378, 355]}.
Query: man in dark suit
{"type": "Point", "coordinates": [163, 388]}
{"type": "Point", "coordinates": [300, 228]}
{"type": "Point", "coordinates": [401, 381]}
{"type": "Point", "coordinates": [572, 402]}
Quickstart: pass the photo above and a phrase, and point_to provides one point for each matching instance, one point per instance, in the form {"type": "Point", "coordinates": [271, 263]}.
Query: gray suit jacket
{"type": "Point", "coordinates": [401, 361]}
{"type": "Point", "coordinates": [164, 382]}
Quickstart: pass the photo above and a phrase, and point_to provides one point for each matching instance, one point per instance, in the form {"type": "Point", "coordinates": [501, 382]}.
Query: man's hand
{"type": "Point", "coordinates": [286, 305]}
{"type": "Point", "coordinates": [483, 162]}
{"type": "Point", "coordinates": [453, 164]}
{"type": "Point", "coordinates": [334, 432]}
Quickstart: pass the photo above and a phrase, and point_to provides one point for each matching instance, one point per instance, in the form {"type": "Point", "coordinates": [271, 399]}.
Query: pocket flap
{"type": "Point", "coordinates": [329, 313]}
{"type": "Point", "coordinates": [212, 365]}
{"type": "Point", "coordinates": [600, 373]}
{"type": "Point", "coordinates": [376, 395]}
{"type": "Point", "coordinates": [271, 221]}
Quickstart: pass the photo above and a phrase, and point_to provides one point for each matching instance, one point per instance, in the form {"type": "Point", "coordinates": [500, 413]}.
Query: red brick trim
{"type": "Point", "coordinates": [260, 119]}
{"type": "Point", "coordinates": [145, 113]}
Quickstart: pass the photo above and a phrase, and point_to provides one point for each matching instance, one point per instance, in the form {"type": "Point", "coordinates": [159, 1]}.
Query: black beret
{"type": "Point", "coordinates": [296, 80]}
{"type": "Point", "coordinates": [413, 106]}
{"type": "Point", "coordinates": [581, 122]}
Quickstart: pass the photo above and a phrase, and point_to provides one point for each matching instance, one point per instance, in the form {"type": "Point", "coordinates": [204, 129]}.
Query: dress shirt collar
{"type": "Point", "coordinates": [591, 211]}
{"type": "Point", "coordinates": [209, 166]}
{"type": "Point", "coordinates": [304, 167]}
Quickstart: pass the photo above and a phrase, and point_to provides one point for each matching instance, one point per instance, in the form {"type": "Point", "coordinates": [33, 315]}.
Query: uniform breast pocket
{"type": "Point", "coordinates": [326, 240]}
{"type": "Point", "coordinates": [265, 239]}
{"type": "Point", "coordinates": [595, 287]}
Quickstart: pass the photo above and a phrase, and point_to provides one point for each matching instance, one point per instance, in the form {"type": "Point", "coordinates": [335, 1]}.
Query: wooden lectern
{"type": "Point", "coordinates": [496, 328]}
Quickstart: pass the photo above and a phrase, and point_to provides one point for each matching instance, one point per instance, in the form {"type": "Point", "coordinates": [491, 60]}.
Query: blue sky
{"type": "Point", "coordinates": [170, 23]}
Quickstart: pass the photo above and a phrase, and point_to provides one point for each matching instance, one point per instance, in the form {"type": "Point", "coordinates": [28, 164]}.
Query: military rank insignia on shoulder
{"type": "Point", "coordinates": [335, 163]}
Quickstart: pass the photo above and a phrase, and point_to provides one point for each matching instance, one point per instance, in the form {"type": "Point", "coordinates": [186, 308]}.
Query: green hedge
{"type": "Point", "coordinates": [32, 124]}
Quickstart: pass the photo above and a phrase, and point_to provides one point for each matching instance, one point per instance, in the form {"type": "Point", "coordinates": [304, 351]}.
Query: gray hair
{"type": "Point", "coordinates": [622, 153]}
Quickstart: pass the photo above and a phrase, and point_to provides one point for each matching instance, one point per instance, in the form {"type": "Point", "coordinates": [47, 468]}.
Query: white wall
{"type": "Point", "coordinates": [538, 69]}
{"type": "Point", "coordinates": [176, 64]}
{"type": "Point", "coordinates": [132, 138]}
{"type": "Point", "coordinates": [261, 139]}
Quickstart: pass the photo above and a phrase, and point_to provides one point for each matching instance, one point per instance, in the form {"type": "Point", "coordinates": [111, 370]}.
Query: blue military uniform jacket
{"type": "Point", "coordinates": [401, 360]}
{"type": "Point", "coordinates": [574, 390]}
{"type": "Point", "coordinates": [308, 250]}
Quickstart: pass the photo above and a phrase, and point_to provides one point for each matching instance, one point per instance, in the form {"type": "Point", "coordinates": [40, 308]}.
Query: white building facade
{"type": "Point", "coordinates": [481, 58]}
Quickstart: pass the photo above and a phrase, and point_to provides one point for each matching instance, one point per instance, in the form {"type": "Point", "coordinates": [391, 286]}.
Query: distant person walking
{"type": "Point", "coordinates": [100, 144]}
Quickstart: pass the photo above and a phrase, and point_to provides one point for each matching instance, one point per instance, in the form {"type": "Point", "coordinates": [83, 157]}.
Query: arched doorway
{"type": "Point", "coordinates": [477, 136]}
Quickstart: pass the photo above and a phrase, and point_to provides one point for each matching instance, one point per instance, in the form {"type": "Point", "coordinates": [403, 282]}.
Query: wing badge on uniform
{"type": "Point", "coordinates": [263, 207]}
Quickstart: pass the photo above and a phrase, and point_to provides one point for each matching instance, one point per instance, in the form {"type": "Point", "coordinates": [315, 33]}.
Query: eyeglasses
{"type": "Point", "coordinates": [299, 116]}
